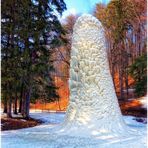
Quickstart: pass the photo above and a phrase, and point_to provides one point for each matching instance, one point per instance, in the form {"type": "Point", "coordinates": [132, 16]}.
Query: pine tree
{"type": "Point", "coordinates": [138, 70]}
{"type": "Point", "coordinates": [27, 27]}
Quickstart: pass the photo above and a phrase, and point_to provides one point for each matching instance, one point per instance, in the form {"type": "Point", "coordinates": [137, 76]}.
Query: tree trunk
{"type": "Point", "coordinates": [121, 84]}
{"type": "Point", "coordinates": [58, 100]}
{"type": "Point", "coordinates": [23, 104]}
{"type": "Point", "coordinates": [27, 104]}
{"type": "Point", "coordinates": [121, 68]}
{"type": "Point", "coordinates": [15, 104]}
{"type": "Point", "coordinates": [20, 105]}
{"type": "Point", "coordinates": [20, 102]}
{"type": "Point", "coordinates": [126, 84]}
{"type": "Point", "coordinates": [5, 105]}
{"type": "Point", "coordinates": [9, 115]}
{"type": "Point", "coordinates": [113, 74]}
{"type": "Point", "coordinates": [139, 41]}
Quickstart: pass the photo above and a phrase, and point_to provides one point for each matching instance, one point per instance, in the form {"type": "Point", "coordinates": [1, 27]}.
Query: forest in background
{"type": "Point", "coordinates": [124, 22]}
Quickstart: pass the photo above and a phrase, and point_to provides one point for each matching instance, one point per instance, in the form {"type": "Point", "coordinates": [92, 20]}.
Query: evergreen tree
{"type": "Point", "coordinates": [27, 27]}
{"type": "Point", "coordinates": [138, 70]}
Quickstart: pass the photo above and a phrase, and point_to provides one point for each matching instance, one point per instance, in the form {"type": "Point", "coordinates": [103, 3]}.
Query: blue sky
{"type": "Point", "coordinates": [81, 6]}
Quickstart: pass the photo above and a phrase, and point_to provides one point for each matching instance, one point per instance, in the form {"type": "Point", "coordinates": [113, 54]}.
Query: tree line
{"type": "Point", "coordinates": [124, 22]}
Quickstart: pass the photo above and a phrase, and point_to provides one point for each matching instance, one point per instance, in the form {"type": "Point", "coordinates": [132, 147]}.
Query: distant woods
{"type": "Point", "coordinates": [124, 22]}
{"type": "Point", "coordinates": [28, 26]}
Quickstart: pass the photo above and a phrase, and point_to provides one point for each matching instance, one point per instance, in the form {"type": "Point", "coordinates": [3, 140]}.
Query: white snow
{"type": "Point", "coordinates": [143, 101]}
{"type": "Point", "coordinates": [129, 90]}
{"type": "Point", "coordinates": [41, 137]}
{"type": "Point", "coordinates": [48, 118]}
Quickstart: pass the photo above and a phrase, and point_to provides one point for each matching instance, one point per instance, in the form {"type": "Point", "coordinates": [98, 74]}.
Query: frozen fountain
{"type": "Point", "coordinates": [93, 106]}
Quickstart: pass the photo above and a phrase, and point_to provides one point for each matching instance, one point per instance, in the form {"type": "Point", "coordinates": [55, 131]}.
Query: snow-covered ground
{"type": "Point", "coordinates": [41, 137]}
{"type": "Point", "coordinates": [48, 118]}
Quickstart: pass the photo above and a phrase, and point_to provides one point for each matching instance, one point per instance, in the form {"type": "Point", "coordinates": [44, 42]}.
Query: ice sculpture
{"type": "Point", "coordinates": [93, 103]}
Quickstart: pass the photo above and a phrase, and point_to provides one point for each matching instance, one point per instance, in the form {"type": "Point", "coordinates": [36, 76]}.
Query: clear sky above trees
{"type": "Point", "coordinates": [81, 6]}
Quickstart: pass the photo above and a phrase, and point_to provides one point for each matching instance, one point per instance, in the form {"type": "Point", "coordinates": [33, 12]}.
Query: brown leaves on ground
{"type": "Point", "coordinates": [133, 108]}
{"type": "Point", "coordinates": [17, 123]}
